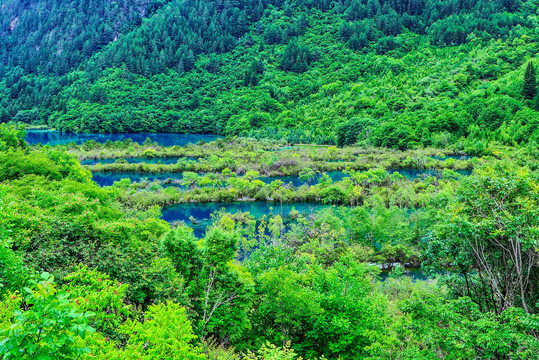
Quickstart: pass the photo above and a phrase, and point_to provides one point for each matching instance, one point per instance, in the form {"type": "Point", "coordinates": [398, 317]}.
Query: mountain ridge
{"type": "Point", "coordinates": [302, 71]}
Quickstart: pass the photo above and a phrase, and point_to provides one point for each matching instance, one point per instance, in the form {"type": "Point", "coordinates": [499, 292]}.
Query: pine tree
{"type": "Point", "coordinates": [529, 88]}
{"type": "Point", "coordinates": [536, 103]}
{"type": "Point", "coordinates": [302, 24]}
{"type": "Point", "coordinates": [247, 78]}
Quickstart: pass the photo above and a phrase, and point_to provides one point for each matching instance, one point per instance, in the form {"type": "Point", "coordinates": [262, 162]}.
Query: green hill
{"type": "Point", "coordinates": [392, 73]}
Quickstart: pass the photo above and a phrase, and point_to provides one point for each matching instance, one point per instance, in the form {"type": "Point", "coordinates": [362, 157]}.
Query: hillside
{"type": "Point", "coordinates": [52, 37]}
{"type": "Point", "coordinates": [399, 73]}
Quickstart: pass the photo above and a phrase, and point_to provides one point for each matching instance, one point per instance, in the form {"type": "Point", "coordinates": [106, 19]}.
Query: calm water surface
{"type": "Point", "coordinates": [414, 273]}
{"type": "Point", "coordinates": [52, 137]}
{"type": "Point", "coordinates": [295, 180]}
{"type": "Point", "coordinates": [456, 157]}
{"type": "Point", "coordinates": [166, 160]}
{"type": "Point", "coordinates": [414, 173]}
{"type": "Point", "coordinates": [108, 178]}
{"type": "Point", "coordinates": [201, 211]}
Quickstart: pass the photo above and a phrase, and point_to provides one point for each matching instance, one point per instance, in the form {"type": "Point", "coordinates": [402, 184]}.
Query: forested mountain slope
{"type": "Point", "coordinates": [401, 73]}
{"type": "Point", "coordinates": [50, 37]}
{"type": "Point", "coordinates": [42, 40]}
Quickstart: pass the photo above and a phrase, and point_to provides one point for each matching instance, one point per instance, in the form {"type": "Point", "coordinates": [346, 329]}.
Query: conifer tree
{"type": "Point", "coordinates": [529, 88]}
{"type": "Point", "coordinates": [247, 78]}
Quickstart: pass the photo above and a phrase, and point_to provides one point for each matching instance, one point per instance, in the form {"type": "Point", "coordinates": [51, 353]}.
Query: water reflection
{"type": "Point", "coordinates": [52, 137]}
{"type": "Point", "coordinates": [201, 212]}
{"type": "Point", "coordinates": [138, 160]}
{"type": "Point", "coordinates": [108, 178]}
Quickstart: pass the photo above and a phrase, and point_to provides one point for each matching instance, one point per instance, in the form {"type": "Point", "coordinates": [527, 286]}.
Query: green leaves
{"type": "Point", "coordinates": [51, 164]}
{"type": "Point", "coordinates": [165, 333]}
{"type": "Point", "coordinates": [12, 137]}
{"type": "Point", "coordinates": [50, 326]}
{"type": "Point", "coordinates": [322, 311]}
{"type": "Point", "coordinates": [492, 222]}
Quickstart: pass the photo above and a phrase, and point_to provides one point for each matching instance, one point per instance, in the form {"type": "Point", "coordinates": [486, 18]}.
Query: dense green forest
{"type": "Point", "coordinates": [373, 194]}
{"type": "Point", "coordinates": [88, 272]}
{"type": "Point", "coordinates": [327, 72]}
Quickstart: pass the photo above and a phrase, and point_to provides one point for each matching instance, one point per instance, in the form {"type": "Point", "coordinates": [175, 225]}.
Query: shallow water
{"type": "Point", "coordinates": [162, 160]}
{"type": "Point", "coordinates": [456, 157]}
{"type": "Point", "coordinates": [108, 178]}
{"type": "Point", "coordinates": [414, 273]}
{"type": "Point", "coordinates": [202, 211]}
{"type": "Point", "coordinates": [414, 173]}
{"type": "Point", "coordinates": [52, 137]}
{"type": "Point", "coordinates": [296, 181]}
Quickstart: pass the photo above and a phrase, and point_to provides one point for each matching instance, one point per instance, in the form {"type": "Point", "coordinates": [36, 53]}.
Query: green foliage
{"type": "Point", "coordinates": [13, 271]}
{"type": "Point", "coordinates": [321, 311]}
{"type": "Point", "coordinates": [489, 233]}
{"type": "Point", "coordinates": [224, 291]}
{"type": "Point", "coordinates": [50, 164]}
{"type": "Point", "coordinates": [95, 292]}
{"type": "Point", "coordinates": [307, 175]}
{"type": "Point", "coordinates": [132, 287]}
{"type": "Point", "coordinates": [291, 71]}
{"type": "Point", "coordinates": [434, 326]}
{"type": "Point", "coordinates": [43, 215]}
{"type": "Point", "coordinates": [59, 45]}
{"type": "Point", "coordinates": [11, 137]}
{"type": "Point", "coordinates": [237, 125]}
{"type": "Point", "coordinates": [271, 352]}
{"type": "Point", "coordinates": [165, 333]}
{"type": "Point", "coordinates": [296, 58]}
{"type": "Point", "coordinates": [401, 75]}
{"type": "Point", "coordinates": [347, 133]}
{"type": "Point", "coordinates": [529, 88]}
{"type": "Point", "coordinates": [50, 327]}
{"type": "Point", "coordinates": [180, 245]}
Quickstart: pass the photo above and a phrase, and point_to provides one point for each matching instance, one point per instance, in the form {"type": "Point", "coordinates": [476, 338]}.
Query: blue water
{"type": "Point", "coordinates": [295, 180]}
{"type": "Point", "coordinates": [456, 157]}
{"type": "Point", "coordinates": [52, 137]}
{"type": "Point", "coordinates": [166, 160]}
{"type": "Point", "coordinates": [413, 273]}
{"type": "Point", "coordinates": [108, 178]}
{"type": "Point", "coordinates": [283, 148]}
{"type": "Point", "coordinates": [415, 173]}
{"type": "Point", "coordinates": [201, 212]}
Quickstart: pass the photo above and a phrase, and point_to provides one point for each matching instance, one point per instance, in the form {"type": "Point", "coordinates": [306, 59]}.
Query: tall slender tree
{"type": "Point", "coordinates": [529, 88]}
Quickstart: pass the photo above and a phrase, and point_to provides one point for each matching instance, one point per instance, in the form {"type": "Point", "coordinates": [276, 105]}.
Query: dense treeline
{"type": "Point", "coordinates": [42, 41]}
{"type": "Point", "coordinates": [445, 22]}
{"type": "Point", "coordinates": [52, 37]}
{"type": "Point", "coordinates": [314, 72]}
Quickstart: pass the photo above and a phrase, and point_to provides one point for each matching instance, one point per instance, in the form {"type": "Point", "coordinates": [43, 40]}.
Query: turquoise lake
{"type": "Point", "coordinates": [456, 157]}
{"type": "Point", "coordinates": [165, 160]}
{"type": "Point", "coordinates": [414, 173]}
{"type": "Point", "coordinates": [201, 211]}
{"type": "Point", "coordinates": [52, 137]}
{"type": "Point", "coordinates": [108, 178]}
